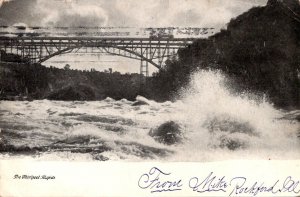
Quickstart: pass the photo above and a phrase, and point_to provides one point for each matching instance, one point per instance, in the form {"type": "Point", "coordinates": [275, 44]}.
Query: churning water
{"type": "Point", "coordinates": [214, 125]}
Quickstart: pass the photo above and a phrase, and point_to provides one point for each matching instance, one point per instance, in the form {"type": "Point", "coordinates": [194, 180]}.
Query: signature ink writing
{"type": "Point", "coordinates": [240, 187]}
{"type": "Point", "coordinates": [157, 181]}
{"type": "Point", "coordinates": [210, 184]}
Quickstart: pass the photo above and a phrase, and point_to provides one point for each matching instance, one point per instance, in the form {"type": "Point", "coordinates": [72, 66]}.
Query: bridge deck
{"type": "Point", "coordinates": [98, 38]}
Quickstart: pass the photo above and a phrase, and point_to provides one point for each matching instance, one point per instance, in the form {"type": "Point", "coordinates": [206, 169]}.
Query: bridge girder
{"type": "Point", "coordinates": [40, 49]}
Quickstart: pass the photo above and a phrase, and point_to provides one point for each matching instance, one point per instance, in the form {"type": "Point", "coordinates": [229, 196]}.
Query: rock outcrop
{"type": "Point", "coordinates": [167, 133]}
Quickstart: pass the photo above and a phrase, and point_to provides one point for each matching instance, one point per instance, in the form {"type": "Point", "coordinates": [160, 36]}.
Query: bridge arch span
{"type": "Point", "coordinates": [124, 54]}
{"type": "Point", "coordinates": [147, 50]}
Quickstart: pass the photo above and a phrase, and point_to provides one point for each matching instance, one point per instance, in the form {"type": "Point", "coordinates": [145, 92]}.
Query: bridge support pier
{"type": "Point", "coordinates": [144, 68]}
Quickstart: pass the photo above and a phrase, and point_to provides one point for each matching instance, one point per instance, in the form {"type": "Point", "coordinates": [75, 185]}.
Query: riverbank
{"type": "Point", "coordinates": [35, 81]}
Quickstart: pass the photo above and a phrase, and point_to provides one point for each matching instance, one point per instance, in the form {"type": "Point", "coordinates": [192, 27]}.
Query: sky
{"type": "Point", "coordinates": [123, 13]}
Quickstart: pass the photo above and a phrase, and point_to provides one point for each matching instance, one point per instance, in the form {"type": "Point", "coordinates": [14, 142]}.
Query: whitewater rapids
{"type": "Point", "coordinates": [215, 125]}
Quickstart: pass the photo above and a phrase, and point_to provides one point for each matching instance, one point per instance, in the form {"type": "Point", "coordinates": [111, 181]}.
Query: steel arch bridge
{"type": "Point", "coordinates": [147, 50]}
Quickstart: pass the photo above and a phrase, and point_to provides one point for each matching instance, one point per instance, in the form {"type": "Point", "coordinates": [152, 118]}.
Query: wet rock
{"type": "Point", "coordinates": [168, 133]}
{"type": "Point", "coordinates": [100, 158]}
{"type": "Point", "coordinates": [138, 103]}
{"type": "Point", "coordinates": [231, 144]}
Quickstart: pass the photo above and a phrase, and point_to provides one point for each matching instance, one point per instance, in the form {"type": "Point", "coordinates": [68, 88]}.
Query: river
{"type": "Point", "coordinates": [214, 124]}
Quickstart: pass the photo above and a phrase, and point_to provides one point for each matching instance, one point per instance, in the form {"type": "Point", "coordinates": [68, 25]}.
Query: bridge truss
{"type": "Point", "coordinates": [147, 50]}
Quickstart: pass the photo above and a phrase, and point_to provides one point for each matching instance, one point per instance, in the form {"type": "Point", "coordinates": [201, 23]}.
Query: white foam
{"type": "Point", "coordinates": [206, 99]}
